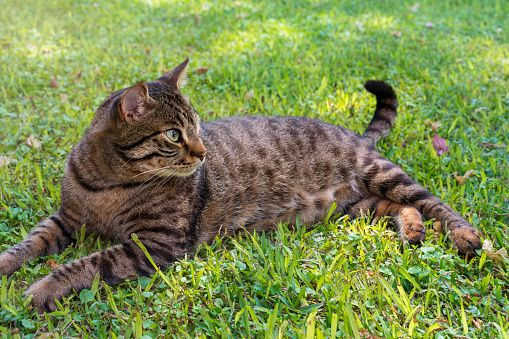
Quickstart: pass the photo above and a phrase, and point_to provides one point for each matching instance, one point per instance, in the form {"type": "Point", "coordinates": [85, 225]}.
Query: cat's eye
{"type": "Point", "coordinates": [173, 134]}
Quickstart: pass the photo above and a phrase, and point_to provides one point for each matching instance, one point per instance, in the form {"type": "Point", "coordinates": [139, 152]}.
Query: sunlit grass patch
{"type": "Point", "coordinates": [342, 278]}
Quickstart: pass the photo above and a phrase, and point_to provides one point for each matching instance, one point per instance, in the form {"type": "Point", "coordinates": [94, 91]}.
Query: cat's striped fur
{"type": "Point", "coordinates": [127, 176]}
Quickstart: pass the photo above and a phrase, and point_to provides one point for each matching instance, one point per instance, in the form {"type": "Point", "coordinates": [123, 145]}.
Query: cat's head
{"type": "Point", "coordinates": [149, 129]}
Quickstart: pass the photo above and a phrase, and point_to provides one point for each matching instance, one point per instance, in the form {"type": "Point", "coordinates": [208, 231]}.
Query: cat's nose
{"type": "Point", "coordinates": [200, 155]}
{"type": "Point", "coordinates": [199, 151]}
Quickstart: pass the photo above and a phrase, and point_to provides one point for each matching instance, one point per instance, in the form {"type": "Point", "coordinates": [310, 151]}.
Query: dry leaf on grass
{"type": "Point", "coordinates": [33, 142]}
{"type": "Point", "coordinates": [437, 226]}
{"type": "Point", "coordinates": [364, 334]}
{"type": "Point", "coordinates": [54, 83]}
{"type": "Point", "coordinates": [461, 179]}
{"type": "Point", "coordinates": [397, 34]}
{"type": "Point", "coordinates": [249, 95]}
{"type": "Point", "coordinates": [5, 160]}
{"type": "Point", "coordinates": [499, 257]}
{"type": "Point", "coordinates": [440, 145]}
{"type": "Point", "coordinates": [54, 265]}
{"type": "Point", "coordinates": [434, 124]}
{"type": "Point", "coordinates": [201, 70]}
{"type": "Point", "coordinates": [488, 145]}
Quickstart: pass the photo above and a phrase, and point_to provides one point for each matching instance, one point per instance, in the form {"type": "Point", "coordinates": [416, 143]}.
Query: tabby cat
{"type": "Point", "coordinates": [146, 166]}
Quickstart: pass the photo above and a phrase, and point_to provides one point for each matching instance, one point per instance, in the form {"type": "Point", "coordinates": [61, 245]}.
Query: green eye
{"type": "Point", "coordinates": [173, 134]}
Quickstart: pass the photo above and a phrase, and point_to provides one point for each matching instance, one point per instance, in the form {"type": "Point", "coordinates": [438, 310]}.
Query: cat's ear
{"type": "Point", "coordinates": [135, 103]}
{"type": "Point", "coordinates": [177, 77]}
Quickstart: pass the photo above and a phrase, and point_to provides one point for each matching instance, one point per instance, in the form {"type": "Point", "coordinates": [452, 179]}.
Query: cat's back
{"type": "Point", "coordinates": [257, 135]}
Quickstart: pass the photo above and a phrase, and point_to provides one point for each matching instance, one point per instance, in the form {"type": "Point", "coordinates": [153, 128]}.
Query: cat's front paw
{"type": "Point", "coordinates": [45, 292]}
{"type": "Point", "coordinates": [466, 240]}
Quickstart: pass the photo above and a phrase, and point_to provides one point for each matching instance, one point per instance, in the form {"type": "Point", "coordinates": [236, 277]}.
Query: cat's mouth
{"type": "Point", "coordinates": [183, 171]}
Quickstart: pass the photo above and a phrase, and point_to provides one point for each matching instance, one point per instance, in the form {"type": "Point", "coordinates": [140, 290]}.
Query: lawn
{"type": "Point", "coordinates": [449, 63]}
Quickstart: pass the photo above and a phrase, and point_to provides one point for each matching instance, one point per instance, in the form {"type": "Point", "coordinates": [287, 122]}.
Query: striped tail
{"type": "Point", "coordinates": [385, 113]}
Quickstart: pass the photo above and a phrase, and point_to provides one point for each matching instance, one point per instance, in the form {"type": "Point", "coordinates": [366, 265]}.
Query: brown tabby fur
{"type": "Point", "coordinates": [126, 176]}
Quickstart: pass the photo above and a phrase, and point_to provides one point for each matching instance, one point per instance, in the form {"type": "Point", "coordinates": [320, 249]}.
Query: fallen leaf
{"type": "Point", "coordinates": [429, 24]}
{"type": "Point", "coordinates": [493, 146]}
{"type": "Point", "coordinates": [437, 226]}
{"type": "Point", "coordinates": [33, 142]}
{"type": "Point", "coordinates": [458, 61]}
{"type": "Point", "coordinates": [440, 145]}
{"type": "Point", "coordinates": [435, 125]}
{"type": "Point", "coordinates": [397, 34]}
{"type": "Point", "coordinates": [461, 179]}
{"type": "Point", "coordinates": [468, 174]}
{"type": "Point", "coordinates": [53, 264]}
{"type": "Point", "coordinates": [477, 323]}
{"type": "Point", "coordinates": [364, 334]}
{"type": "Point", "coordinates": [5, 160]}
{"type": "Point", "coordinates": [63, 97]}
{"type": "Point", "coordinates": [165, 70]}
{"type": "Point", "coordinates": [249, 95]}
{"type": "Point", "coordinates": [54, 83]}
{"type": "Point", "coordinates": [201, 70]}
{"type": "Point", "coordinates": [78, 74]}
{"type": "Point", "coordinates": [499, 257]}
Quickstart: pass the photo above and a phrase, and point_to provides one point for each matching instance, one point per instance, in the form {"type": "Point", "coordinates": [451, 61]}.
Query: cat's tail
{"type": "Point", "coordinates": [385, 112]}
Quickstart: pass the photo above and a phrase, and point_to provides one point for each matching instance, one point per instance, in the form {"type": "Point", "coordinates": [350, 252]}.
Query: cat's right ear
{"type": "Point", "coordinates": [176, 78]}
{"type": "Point", "coordinates": [134, 103]}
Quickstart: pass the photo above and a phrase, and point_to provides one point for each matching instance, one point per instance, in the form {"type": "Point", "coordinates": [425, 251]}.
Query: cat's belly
{"type": "Point", "coordinates": [264, 213]}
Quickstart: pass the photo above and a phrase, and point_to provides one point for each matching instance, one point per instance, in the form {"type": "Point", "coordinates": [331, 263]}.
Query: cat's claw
{"type": "Point", "coordinates": [466, 240]}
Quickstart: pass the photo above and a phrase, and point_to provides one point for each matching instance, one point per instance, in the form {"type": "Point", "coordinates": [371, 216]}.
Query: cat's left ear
{"type": "Point", "coordinates": [135, 103]}
{"type": "Point", "coordinates": [177, 77]}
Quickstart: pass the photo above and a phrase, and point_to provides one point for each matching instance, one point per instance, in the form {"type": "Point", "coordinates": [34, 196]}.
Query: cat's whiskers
{"type": "Point", "coordinates": [150, 180]}
{"type": "Point", "coordinates": [125, 163]}
{"type": "Point", "coordinates": [157, 169]}
{"type": "Point", "coordinates": [166, 179]}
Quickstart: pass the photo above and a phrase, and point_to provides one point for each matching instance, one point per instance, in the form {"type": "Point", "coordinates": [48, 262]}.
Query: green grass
{"type": "Point", "coordinates": [341, 278]}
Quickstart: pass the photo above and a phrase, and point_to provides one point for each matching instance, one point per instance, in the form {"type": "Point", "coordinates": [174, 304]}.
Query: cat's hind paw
{"type": "Point", "coordinates": [466, 240]}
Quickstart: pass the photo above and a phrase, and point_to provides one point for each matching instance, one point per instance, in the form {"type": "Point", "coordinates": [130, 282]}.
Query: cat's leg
{"type": "Point", "coordinates": [388, 181]}
{"type": "Point", "coordinates": [406, 218]}
{"type": "Point", "coordinates": [114, 264]}
{"type": "Point", "coordinates": [51, 236]}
